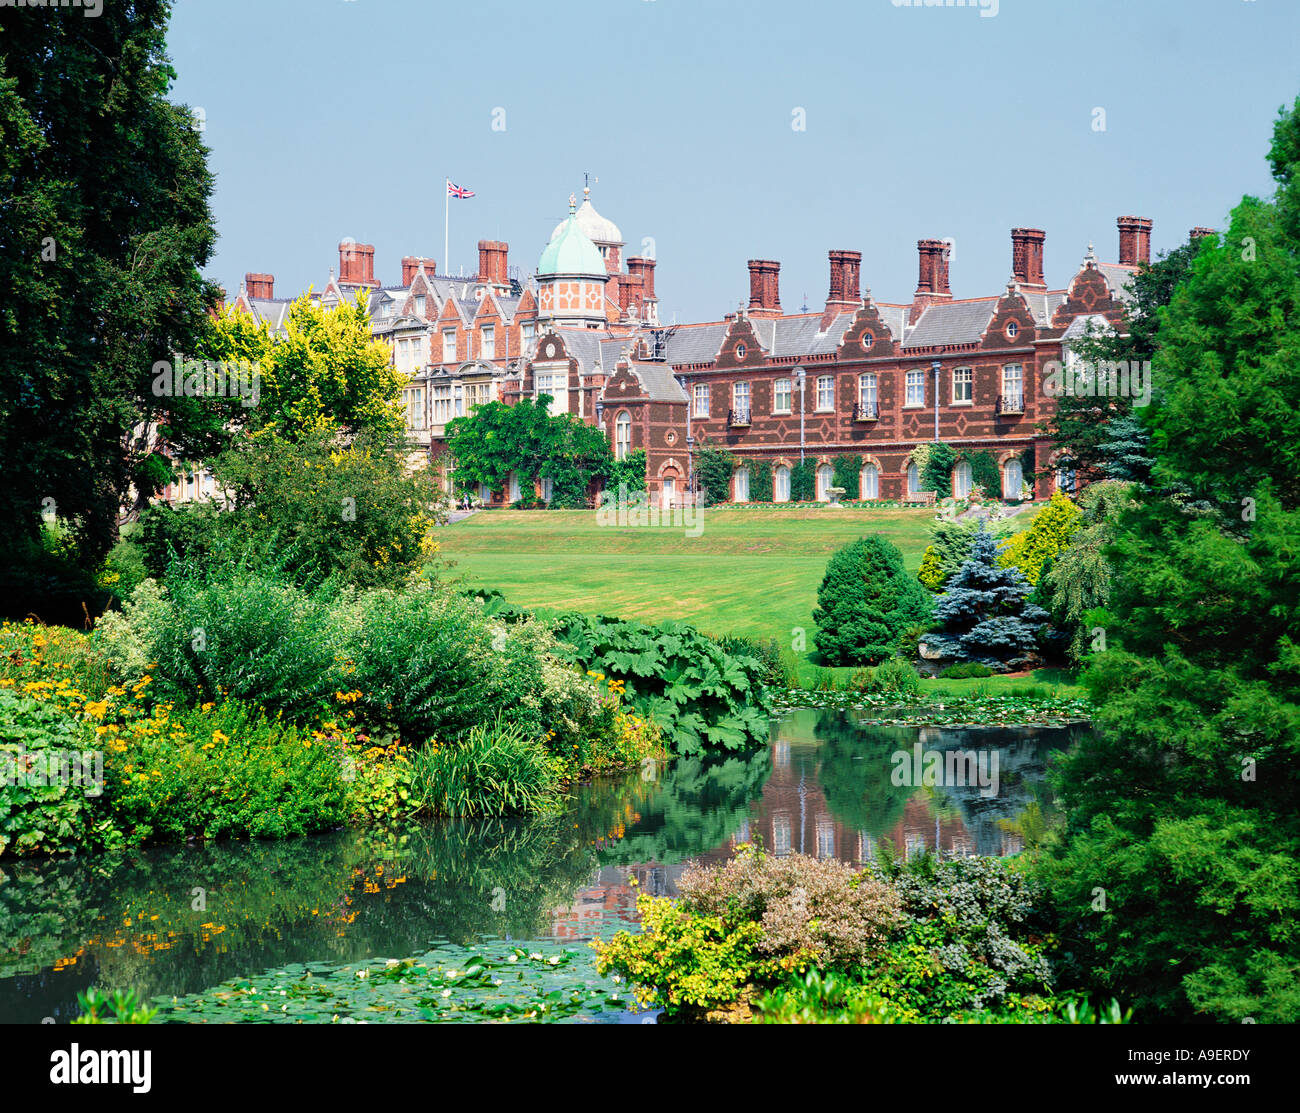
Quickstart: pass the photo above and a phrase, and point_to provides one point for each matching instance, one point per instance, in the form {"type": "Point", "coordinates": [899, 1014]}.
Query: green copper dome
{"type": "Point", "coordinates": [571, 251]}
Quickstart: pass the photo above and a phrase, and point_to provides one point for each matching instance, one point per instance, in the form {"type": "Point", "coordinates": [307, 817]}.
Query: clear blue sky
{"type": "Point", "coordinates": [334, 118]}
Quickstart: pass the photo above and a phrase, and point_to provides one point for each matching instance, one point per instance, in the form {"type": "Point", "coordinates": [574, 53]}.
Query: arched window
{"type": "Point", "coordinates": [825, 481]}
{"type": "Point", "coordinates": [622, 435]}
{"type": "Point", "coordinates": [870, 482]}
{"type": "Point", "coordinates": [1066, 480]}
{"type": "Point", "coordinates": [961, 479]}
{"type": "Point", "coordinates": [781, 484]}
{"type": "Point", "coordinates": [1013, 478]}
{"type": "Point", "coordinates": [913, 479]}
{"type": "Point", "coordinates": [740, 485]}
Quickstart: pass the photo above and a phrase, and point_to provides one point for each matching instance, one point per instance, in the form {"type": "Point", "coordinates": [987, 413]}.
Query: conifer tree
{"type": "Point", "coordinates": [985, 615]}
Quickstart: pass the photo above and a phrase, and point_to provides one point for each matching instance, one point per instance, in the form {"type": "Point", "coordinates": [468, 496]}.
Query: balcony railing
{"type": "Point", "coordinates": [737, 419]}
{"type": "Point", "coordinates": [866, 411]}
{"type": "Point", "coordinates": [1011, 405]}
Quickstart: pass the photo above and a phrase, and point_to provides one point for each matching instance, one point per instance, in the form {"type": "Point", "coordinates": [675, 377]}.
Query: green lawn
{"type": "Point", "coordinates": [752, 572]}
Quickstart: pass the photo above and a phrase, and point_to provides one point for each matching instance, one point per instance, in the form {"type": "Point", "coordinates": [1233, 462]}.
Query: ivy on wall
{"type": "Point", "coordinates": [848, 474]}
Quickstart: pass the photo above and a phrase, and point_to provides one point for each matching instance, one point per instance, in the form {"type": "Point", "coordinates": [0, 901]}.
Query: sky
{"type": "Point", "coordinates": [718, 131]}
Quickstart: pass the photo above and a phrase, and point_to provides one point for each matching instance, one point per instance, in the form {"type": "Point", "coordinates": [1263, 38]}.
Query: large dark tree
{"type": "Point", "coordinates": [1181, 861]}
{"type": "Point", "coordinates": [104, 224]}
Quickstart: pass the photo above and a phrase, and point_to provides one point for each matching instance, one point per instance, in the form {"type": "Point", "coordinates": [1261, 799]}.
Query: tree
{"type": "Point", "coordinates": [931, 572]}
{"type": "Point", "coordinates": [1184, 807]}
{"type": "Point", "coordinates": [327, 374]}
{"type": "Point", "coordinates": [950, 547]}
{"type": "Point", "coordinates": [524, 439]}
{"type": "Point", "coordinates": [1105, 433]}
{"type": "Point", "coordinates": [310, 509]}
{"type": "Point", "coordinates": [865, 602]}
{"type": "Point", "coordinates": [1077, 580]}
{"type": "Point", "coordinates": [1047, 535]}
{"type": "Point", "coordinates": [985, 615]}
{"type": "Point", "coordinates": [105, 224]}
{"type": "Point", "coordinates": [578, 455]}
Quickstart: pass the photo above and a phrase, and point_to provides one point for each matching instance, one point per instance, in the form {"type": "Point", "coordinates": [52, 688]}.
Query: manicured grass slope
{"type": "Point", "coordinates": [751, 572]}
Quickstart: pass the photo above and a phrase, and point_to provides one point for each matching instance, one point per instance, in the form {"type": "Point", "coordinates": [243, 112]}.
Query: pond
{"type": "Point", "coordinates": [181, 920]}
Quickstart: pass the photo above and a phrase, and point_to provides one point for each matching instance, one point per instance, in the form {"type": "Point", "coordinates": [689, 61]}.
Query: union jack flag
{"type": "Point", "coordinates": [458, 191]}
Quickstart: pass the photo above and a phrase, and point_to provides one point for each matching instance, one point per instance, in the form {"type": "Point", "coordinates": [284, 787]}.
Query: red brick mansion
{"type": "Point", "coordinates": [858, 378]}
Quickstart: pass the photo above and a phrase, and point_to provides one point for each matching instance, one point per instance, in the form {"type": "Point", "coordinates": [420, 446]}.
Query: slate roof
{"type": "Point", "coordinates": [1079, 326]}
{"type": "Point", "coordinates": [895, 318]}
{"type": "Point", "coordinates": [658, 382]}
{"type": "Point", "coordinates": [695, 343]}
{"type": "Point", "coordinates": [274, 311]}
{"type": "Point", "coordinates": [1043, 306]}
{"type": "Point", "coordinates": [800, 335]}
{"type": "Point", "coordinates": [958, 322]}
{"type": "Point", "coordinates": [1119, 278]}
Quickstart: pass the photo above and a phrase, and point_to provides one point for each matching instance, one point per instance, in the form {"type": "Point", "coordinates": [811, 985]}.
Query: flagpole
{"type": "Point", "coordinates": [446, 224]}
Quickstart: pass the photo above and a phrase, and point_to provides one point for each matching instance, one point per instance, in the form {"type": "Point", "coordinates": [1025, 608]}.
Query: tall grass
{"type": "Point", "coordinates": [497, 769]}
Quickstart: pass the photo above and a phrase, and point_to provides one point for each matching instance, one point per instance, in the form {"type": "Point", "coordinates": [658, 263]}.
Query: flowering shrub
{"type": "Point", "coordinates": [808, 908]}
{"type": "Point", "coordinates": [223, 770]}
{"type": "Point", "coordinates": [682, 960]}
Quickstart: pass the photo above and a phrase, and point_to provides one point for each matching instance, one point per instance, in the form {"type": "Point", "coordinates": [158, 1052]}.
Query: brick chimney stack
{"type": "Point", "coordinates": [632, 289]}
{"type": "Point", "coordinates": [764, 288]}
{"type": "Point", "coordinates": [1134, 241]}
{"type": "Point", "coordinates": [411, 265]}
{"type": "Point", "coordinates": [1027, 257]}
{"type": "Point", "coordinates": [492, 267]}
{"type": "Point", "coordinates": [639, 264]}
{"type": "Point", "coordinates": [1200, 234]}
{"type": "Point", "coordinates": [356, 263]}
{"type": "Point", "coordinates": [261, 286]}
{"type": "Point", "coordinates": [932, 283]}
{"type": "Point", "coordinates": [846, 268]}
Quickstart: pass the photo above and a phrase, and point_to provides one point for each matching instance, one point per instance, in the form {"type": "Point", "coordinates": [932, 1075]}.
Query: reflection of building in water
{"type": "Point", "coordinates": [612, 896]}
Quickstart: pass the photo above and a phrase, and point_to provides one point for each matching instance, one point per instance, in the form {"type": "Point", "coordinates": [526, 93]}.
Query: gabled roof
{"type": "Point", "coordinates": [956, 322]}
{"type": "Point", "coordinates": [1119, 278]}
{"type": "Point", "coordinates": [800, 335]}
{"type": "Point", "coordinates": [1080, 325]}
{"type": "Point", "coordinates": [695, 343]}
{"type": "Point", "coordinates": [658, 383]}
{"type": "Point", "coordinates": [1043, 305]}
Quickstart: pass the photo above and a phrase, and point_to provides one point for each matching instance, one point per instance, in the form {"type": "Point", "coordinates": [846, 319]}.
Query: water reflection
{"type": "Point", "coordinates": [181, 920]}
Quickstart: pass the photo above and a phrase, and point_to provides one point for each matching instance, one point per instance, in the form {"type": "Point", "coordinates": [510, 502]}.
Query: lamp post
{"type": "Point", "coordinates": [935, 367]}
{"type": "Point", "coordinates": [690, 440]}
{"type": "Point", "coordinates": [801, 376]}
